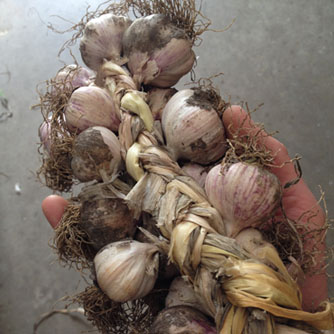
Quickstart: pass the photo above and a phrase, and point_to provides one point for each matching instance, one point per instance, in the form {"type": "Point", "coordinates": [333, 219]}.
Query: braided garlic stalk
{"type": "Point", "coordinates": [238, 289]}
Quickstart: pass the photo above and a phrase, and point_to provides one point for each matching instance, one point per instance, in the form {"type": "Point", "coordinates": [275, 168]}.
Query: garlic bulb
{"type": "Point", "coordinates": [157, 99]}
{"type": "Point", "coordinates": [44, 133]}
{"type": "Point", "coordinates": [244, 194]}
{"type": "Point", "coordinates": [182, 320]}
{"type": "Point", "coordinates": [254, 243]}
{"type": "Point", "coordinates": [74, 76]}
{"type": "Point", "coordinates": [197, 172]}
{"type": "Point", "coordinates": [96, 150]}
{"type": "Point", "coordinates": [127, 270]}
{"type": "Point", "coordinates": [192, 127]}
{"type": "Point", "coordinates": [91, 106]}
{"type": "Point", "coordinates": [158, 52]}
{"type": "Point", "coordinates": [105, 220]}
{"type": "Point", "coordinates": [251, 240]}
{"type": "Point", "coordinates": [181, 292]}
{"type": "Point", "coordinates": [102, 39]}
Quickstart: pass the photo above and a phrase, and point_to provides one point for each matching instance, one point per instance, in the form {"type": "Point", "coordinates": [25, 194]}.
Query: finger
{"type": "Point", "coordinates": [296, 200]}
{"type": "Point", "coordinates": [53, 208]}
{"type": "Point", "coordinates": [238, 122]}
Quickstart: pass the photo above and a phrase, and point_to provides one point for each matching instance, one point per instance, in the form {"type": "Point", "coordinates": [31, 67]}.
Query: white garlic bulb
{"type": "Point", "coordinates": [127, 270]}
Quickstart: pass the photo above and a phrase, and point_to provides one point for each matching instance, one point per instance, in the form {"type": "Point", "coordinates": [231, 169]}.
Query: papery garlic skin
{"type": "Point", "coordinates": [91, 106]}
{"type": "Point", "coordinates": [102, 39]}
{"type": "Point", "coordinates": [244, 194]}
{"type": "Point", "coordinates": [127, 270]}
{"type": "Point", "coordinates": [96, 150]}
{"type": "Point", "coordinates": [192, 128]}
{"type": "Point", "coordinates": [158, 52]}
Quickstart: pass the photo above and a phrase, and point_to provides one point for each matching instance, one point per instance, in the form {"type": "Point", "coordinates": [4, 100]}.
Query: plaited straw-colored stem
{"type": "Point", "coordinates": [198, 246]}
{"type": "Point", "coordinates": [175, 199]}
{"type": "Point", "coordinates": [116, 80]}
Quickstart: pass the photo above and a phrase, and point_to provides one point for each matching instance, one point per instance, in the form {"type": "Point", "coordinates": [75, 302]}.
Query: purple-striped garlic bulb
{"type": "Point", "coordinates": [44, 133]}
{"type": "Point", "coordinates": [244, 194]}
{"type": "Point", "coordinates": [193, 128]}
{"type": "Point", "coordinates": [91, 106]}
{"type": "Point", "coordinates": [102, 39]}
{"type": "Point", "coordinates": [159, 53]}
{"type": "Point", "coordinates": [96, 153]}
{"type": "Point", "coordinates": [74, 76]}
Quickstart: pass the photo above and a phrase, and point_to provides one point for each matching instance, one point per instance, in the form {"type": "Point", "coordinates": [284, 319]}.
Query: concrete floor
{"type": "Point", "coordinates": [280, 53]}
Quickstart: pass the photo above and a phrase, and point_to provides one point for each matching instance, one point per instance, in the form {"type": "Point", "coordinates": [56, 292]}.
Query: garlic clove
{"type": "Point", "coordinates": [96, 153]}
{"type": "Point", "coordinates": [244, 194]}
{"type": "Point", "coordinates": [127, 270]}
{"type": "Point", "coordinates": [192, 127]}
{"type": "Point", "coordinates": [102, 39]}
{"type": "Point", "coordinates": [91, 106]}
{"type": "Point", "coordinates": [159, 53]}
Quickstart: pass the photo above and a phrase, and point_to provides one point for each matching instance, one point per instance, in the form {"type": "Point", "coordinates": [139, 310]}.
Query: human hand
{"type": "Point", "coordinates": [296, 200]}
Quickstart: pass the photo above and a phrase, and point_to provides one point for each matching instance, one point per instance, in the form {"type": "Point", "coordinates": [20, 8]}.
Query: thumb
{"type": "Point", "coordinates": [53, 208]}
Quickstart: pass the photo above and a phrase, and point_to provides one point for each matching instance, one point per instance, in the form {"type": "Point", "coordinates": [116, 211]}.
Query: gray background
{"type": "Point", "coordinates": [280, 53]}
